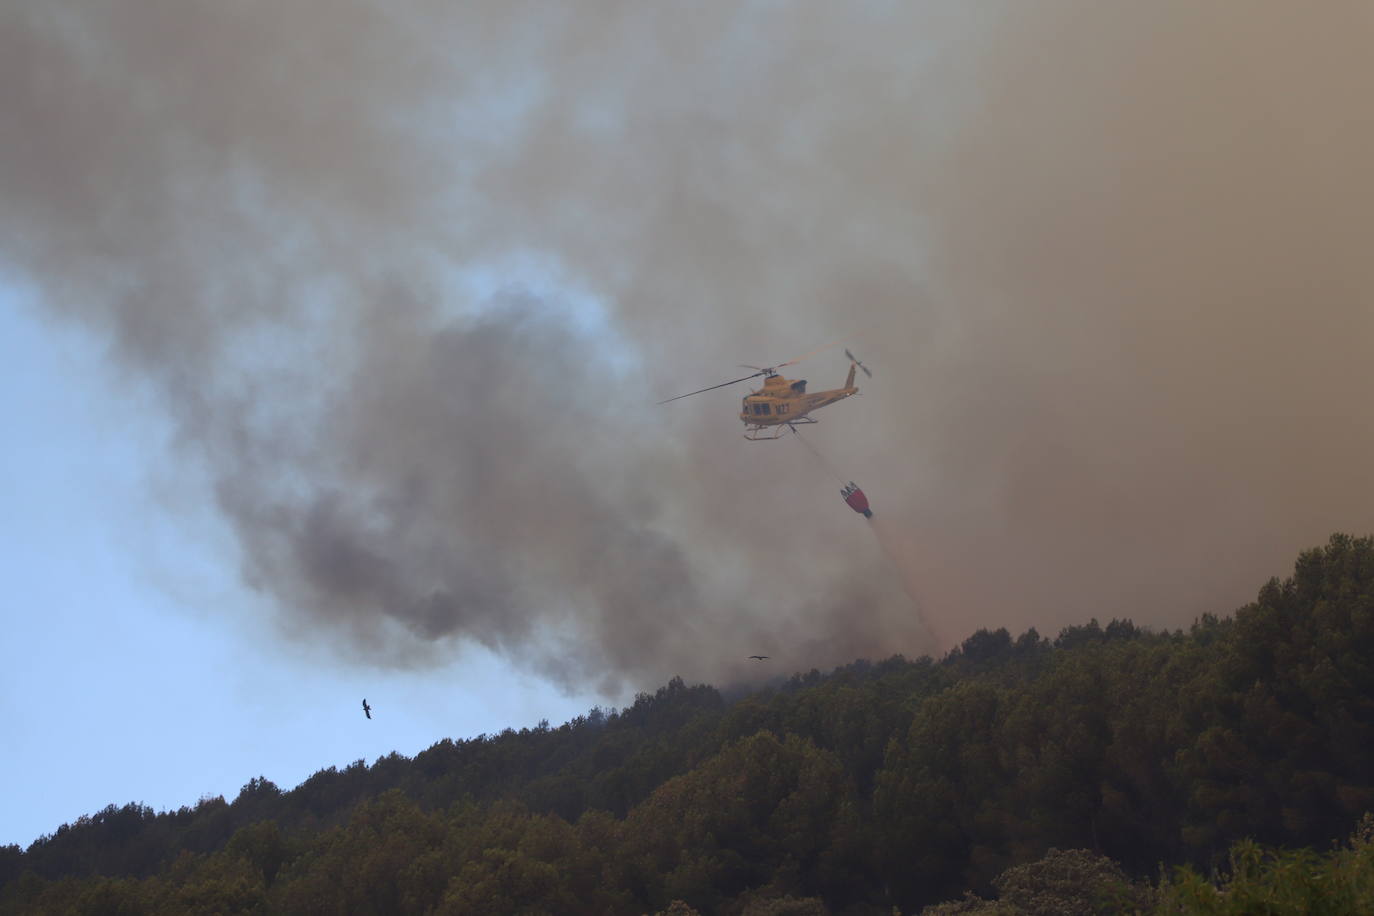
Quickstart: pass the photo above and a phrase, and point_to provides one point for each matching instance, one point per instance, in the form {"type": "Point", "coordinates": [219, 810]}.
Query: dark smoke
{"type": "Point", "coordinates": [409, 277]}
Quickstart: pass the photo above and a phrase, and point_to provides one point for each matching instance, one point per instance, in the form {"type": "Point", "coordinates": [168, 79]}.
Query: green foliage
{"type": "Point", "coordinates": [969, 905]}
{"type": "Point", "coordinates": [677, 908]}
{"type": "Point", "coordinates": [879, 785]}
{"type": "Point", "coordinates": [1074, 882]}
{"type": "Point", "coordinates": [785, 906]}
{"type": "Point", "coordinates": [762, 810]}
{"type": "Point", "coordinates": [11, 863]}
{"type": "Point", "coordinates": [1275, 882]}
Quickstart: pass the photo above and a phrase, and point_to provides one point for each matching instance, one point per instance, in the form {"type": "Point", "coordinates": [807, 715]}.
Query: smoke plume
{"type": "Point", "coordinates": [409, 278]}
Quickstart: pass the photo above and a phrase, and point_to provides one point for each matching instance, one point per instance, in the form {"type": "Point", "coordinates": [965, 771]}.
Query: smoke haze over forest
{"type": "Point", "coordinates": [410, 278]}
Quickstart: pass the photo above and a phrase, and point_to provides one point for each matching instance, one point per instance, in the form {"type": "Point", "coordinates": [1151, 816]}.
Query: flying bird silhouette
{"type": "Point", "coordinates": [367, 710]}
{"type": "Point", "coordinates": [759, 657]}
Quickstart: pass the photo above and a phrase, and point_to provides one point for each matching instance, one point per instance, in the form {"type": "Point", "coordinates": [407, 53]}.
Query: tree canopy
{"type": "Point", "coordinates": [879, 785]}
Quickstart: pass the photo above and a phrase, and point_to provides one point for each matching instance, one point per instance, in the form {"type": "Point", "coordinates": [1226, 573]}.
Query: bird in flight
{"type": "Point", "coordinates": [759, 657]}
{"type": "Point", "coordinates": [367, 710]}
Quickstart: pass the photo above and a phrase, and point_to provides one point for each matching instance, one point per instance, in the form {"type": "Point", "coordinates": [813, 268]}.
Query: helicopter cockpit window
{"type": "Point", "coordinates": [761, 409]}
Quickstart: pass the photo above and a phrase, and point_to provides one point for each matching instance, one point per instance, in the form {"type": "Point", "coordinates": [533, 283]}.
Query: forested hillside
{"type": "Point", "coordinates": [892, 784]}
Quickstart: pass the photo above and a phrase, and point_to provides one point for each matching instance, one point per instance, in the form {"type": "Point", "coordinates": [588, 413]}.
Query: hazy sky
{"type": "Point", "coordinates": [135, 666]}
{"type": "Point", "coordinates": [390, 291]}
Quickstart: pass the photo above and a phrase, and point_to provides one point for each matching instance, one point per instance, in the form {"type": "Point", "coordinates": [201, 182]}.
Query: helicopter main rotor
{"type": "Point", "coordinates": [766, 371]}
{"type": "Point", "coordinates": [714, 387]}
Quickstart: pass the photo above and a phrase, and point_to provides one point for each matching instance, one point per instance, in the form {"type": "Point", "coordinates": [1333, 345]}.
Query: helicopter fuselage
{"type": "Point", "coordinates": [781, 401]}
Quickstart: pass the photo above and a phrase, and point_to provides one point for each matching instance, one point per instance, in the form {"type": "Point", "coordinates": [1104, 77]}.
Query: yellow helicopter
{"type": "Point", "coordinates": [783, 402]}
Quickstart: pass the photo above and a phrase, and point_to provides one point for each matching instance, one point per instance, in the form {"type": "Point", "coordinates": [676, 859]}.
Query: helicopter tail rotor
{"type": "Point", "coordinates": [855, 360]}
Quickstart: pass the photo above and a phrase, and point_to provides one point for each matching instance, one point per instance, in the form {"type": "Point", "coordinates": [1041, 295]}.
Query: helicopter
{"type": "Point", "coordinates": [783, 403]}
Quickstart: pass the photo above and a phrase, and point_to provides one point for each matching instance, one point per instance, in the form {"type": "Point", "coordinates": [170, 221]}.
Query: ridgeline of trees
{"type": "Point", "coordinates": [895, 784]}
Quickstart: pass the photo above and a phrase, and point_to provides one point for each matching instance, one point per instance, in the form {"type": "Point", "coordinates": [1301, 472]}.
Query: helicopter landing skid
{"type": "Point", "coordinates": [753, 434]}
